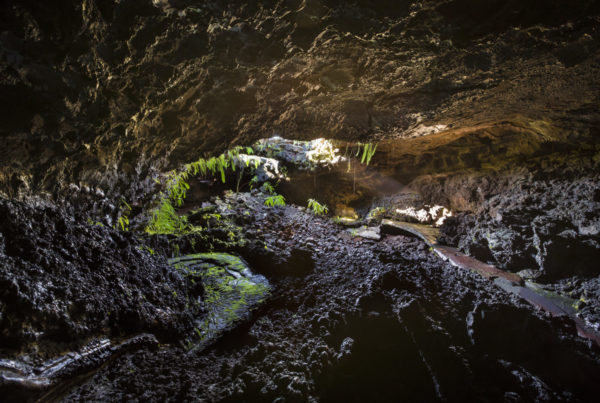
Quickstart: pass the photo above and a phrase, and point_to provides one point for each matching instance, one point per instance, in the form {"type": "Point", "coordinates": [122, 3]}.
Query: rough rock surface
{"type": "Point", "coordinates": [389, 314]}
{"type": "Point", "coordinates": [65, 281]}
{"type": "Point", "coordinates": [552, 225]}
{"type": "Point", "coordinates": [101, 92]}
{"type": "Point", "coordinates": [420, 327]}
{"type": "Point", "coordinates": [587, 294]}
{"type": "Point", "coordinates": [230, 292]}
{"type": "Point", "coordinates": [490, 108]}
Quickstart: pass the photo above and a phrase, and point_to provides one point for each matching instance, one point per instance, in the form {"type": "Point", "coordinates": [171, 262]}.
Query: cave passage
{"type": "Point", "coordinates": [300, 201]}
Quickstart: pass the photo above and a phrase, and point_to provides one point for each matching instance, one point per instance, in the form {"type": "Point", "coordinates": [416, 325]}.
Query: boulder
{"type": "Point", "coordinates": [231, 291]}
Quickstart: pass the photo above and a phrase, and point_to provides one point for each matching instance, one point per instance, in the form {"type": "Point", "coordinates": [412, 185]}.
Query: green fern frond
{"type": "Point", "coordinates": [317, 208]}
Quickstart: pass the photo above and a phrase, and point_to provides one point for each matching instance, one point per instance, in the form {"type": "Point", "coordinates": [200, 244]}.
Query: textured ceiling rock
{"type": "Point", "coordinates": [96, 90]}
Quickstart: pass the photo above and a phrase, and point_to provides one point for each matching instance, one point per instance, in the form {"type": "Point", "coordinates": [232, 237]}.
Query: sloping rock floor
{"type": "Point", "coordinates": [354, 319]}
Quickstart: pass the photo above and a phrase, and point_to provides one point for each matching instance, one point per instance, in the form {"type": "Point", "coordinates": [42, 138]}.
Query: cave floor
{"type": "Point", "coordinates": [369, 320]}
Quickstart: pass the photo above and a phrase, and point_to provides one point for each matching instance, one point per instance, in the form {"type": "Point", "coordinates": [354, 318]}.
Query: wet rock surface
{"type": "Point", "coordinates": [548, 225]}
{"type": "Point", "coordinates": [22, 381]}
{"type": "Point", "coordinates": [586, 293]}
{"type": "Point", "coordinates": [64, 281]}
{"type": "Point", "coordinates": [420, 328]}
{"type": "Point", "coordinates": [489, 109]}
{"type": "Point", "coordinates": [343, 310]}
{"type": "Point", "coordinates": [542, 226]}
{"type": "Point", "coordinates": [230, 292]}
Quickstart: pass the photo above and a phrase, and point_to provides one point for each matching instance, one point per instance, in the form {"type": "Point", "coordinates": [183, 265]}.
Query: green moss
{"type": "Point", "coordinates": [165, 220]}
{"type": "Point", "coordinates": [147, 249]}
{"type": "Point", "coordinates": [580, 303]}
{"type": "Point", "coordinates": [92, 222]}
{"type": "Point", "coordinates": [376, 213]}
{"type": "Point", "coordinates": [228, 289]}
{"type": "Point", "coordinates": [223, 259]}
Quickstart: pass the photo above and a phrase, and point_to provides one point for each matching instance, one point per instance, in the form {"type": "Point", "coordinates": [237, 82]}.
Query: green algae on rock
{"type": "Point", "coordinates": [231, 292]}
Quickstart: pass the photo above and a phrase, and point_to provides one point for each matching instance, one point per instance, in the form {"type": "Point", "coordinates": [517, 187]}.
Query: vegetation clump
{"type": "Point", "coordinates": [268, 188]}
{"type": "Point", "coordinates": [165, 219]}
{"type": "Point", "coordinates": [368, 152]}
{"type": "Point", "coordinates": [322, 152]}
{"type": "Point", "coordinates": [317, 208]}
{"type": "Point", "coordinates": [275, 200]}
{"type": "Point", "coordinates": [123, 219]}
{"type": "Point", "coordinates": [376, 214]}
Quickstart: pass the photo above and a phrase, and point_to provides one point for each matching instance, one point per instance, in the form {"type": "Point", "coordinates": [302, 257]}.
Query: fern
{"type": "Point", "coordinates": [211, 165]}
{"type": "Point", "coordinates": [165, 219]}
{"type": "Point", "coordinates": [123, 219]}
{"type": "Point", "coordinates": [124, 223]}
{"type": "Point", "coordinates": [275, 200]}
{"type": "Point", "coordinates": [222, 164]}
{"type": "Point", "coordinates": [267, 187]}
{"type": "Point", "coordinates": [368, 152]}
{"type": "Point", "coordinates": [317, 208]}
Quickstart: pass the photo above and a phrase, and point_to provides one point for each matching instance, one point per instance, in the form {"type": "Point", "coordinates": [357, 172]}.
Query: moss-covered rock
{"type": "Point", "coordinates": [231, 291]}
